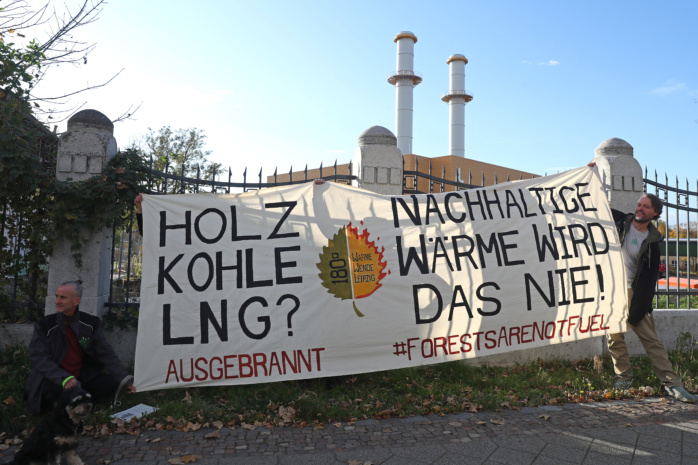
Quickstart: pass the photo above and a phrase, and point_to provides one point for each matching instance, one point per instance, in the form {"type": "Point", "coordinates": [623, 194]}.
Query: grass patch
{"type": "Point", "coordinates": [675, 301]}
{"type": "Point", "coordinates": [434, 389]}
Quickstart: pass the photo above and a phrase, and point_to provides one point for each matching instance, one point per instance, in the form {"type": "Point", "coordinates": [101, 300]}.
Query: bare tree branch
{"type": "Point", "coordinates": [59, 47]}
{"type": "Point", "coordinates": [70, 94]}
{"type": "Point", "coordinates": [127, 114]}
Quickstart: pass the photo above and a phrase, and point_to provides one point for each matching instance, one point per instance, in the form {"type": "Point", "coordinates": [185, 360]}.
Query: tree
{"type": "Point", "coordinates": [179, 152]}
{"type": "Point", "coordinates": [35, 208]}
{"type": "Point", "coordinates": [25, 67]}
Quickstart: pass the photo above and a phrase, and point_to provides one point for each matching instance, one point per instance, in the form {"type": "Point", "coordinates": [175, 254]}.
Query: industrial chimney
{"type": "Point", "coordinates": [456, 98]}
{"type": "Point", "coordinates": [404, 81]}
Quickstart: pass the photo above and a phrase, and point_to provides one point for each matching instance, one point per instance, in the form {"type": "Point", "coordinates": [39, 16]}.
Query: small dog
{"type": "Point", "coordinates": [58, 433]}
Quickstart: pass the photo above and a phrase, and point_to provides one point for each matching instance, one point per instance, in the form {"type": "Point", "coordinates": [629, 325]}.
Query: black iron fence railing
{"type": "Point", "coordinates": [677, 287]}
{"type": "Point", "coordinates": [678, 283]}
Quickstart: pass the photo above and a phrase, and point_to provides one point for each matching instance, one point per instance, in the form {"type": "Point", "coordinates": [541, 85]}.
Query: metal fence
{"type": "Point", "coordinates": [678, 287]}
{"type": "Point", "coordinates": [678, 284]}
{"type": "Point", "coordinates": [126, 261]}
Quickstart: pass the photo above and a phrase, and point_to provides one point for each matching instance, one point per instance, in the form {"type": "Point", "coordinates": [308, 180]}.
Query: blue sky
{"type": "Point", "coordinates": [278, 83]}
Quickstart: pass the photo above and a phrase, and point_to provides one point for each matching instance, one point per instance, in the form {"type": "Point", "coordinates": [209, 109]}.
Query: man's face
{"type": "Point", "coordinates": [644, 211]}
{"type": "Point", "coordinates": [66, 300]}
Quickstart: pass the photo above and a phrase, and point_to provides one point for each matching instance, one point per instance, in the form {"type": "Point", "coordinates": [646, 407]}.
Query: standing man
{"type": "Point", "coordinates": [68, 347]}
{"type": "Point", "coordinates": [640, 246]}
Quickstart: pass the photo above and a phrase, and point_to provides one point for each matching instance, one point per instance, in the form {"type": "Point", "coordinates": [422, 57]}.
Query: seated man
{"type": "Point", "coordinates": [68, 347]}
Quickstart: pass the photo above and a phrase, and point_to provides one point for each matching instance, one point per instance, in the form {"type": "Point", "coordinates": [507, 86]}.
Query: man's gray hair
{"type": "Point", "coordinates": [77, 285]}
{"type": "Point", "coordinates": [657, 204]}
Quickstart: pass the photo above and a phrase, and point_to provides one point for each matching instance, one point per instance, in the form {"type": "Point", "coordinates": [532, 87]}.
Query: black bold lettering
{"type": "Point", "coordinates": [164, 274]}
{"type": "Point", "coordinates": [197, 229]}
{"type": "Point", "coordinates": [433, 207]}
{"type": "Point", "coordinates": [461, 301]}
{"type": "Point", "coordinates": [206, 316]}
{"type": "Point", "coordinates": [549, 300]}
{"type": "Point", "coordinates": [604, 250]}
{"type": "Point", "coordinates": [220, 269]}
{"type": "Point", "coordinates": [576, 283]}
{"type": "Point", "coordinates": [275, 233]}
{"type": "Point", "coordinates": [581, 196]}
{"type": "Point", "coordinates": [265, 320]}
{"type": "Point", "coordinates": [167, 339]}
{"type": "Point", "coordinates": [485, 298]}
{"type": "Point", "coordinates": [190, 271]}
{"type": "Point", "coordinates": [249, 272]}
{"type": "Point", "coordinates": [417, 311]}
{"type": "Point", "coordinates": [545, 242]}
{"type": "Point", "coordinates": [234, 228]}
{"type": "Point", "coordinates": [164, 227]}
{"type": "Point", "coordinates": [564, 200]}
{"type": "Point", "coordinates": [413, 214]}
{"type": "Point", "coordinates": [447, 202]}
{"type": "Point", "coordinates": [412, 257]}
{"type": "Point", "coordinates": [506, 246]}
{"type": "Point", "coordinates": [280, 265]}
{"type": "Point", "coordinates": [492, 246]}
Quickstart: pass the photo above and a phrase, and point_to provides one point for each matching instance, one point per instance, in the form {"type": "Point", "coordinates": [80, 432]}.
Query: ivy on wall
{"type": "Point", "coordinates": [38, 210]}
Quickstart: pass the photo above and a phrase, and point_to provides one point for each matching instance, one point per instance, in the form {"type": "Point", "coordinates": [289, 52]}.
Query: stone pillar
{"type": "Point", "coordinates": [378, 162]}
{"type": "Point", "coordinates": [83, 151]}
{"type": "Point", "coordinates": [620, 173]}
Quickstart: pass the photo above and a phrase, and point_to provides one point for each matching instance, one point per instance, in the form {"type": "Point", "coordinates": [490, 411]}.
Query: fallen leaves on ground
{"type": "Point", "coordinates": [287, 414]}
{"type": "Point", "coordinates": [213, 435]}
{"type": "Point", "coordinates": [184, 459]}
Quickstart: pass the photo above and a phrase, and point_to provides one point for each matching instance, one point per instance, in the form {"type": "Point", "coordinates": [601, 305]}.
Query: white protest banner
{"type": "Point", "coordinates": [321, 280]}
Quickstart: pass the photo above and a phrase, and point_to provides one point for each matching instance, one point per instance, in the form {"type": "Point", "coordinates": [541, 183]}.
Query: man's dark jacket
{"type": "Point", "coordinates": [645, 282]}
{"type": "Point", "coordinates": [49, 345]}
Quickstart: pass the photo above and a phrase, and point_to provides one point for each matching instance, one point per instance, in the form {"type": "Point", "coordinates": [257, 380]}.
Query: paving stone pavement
{"type": "Point", "coordinates": [647, 431]}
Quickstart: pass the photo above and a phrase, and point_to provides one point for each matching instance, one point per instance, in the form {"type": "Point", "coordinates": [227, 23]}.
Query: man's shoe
{"type": "Point", "coordinates": [679, 393]}
{"type": "Point", "coordinates": [623, 384]}
{"type": "Point", "coordinates": [125, 383]}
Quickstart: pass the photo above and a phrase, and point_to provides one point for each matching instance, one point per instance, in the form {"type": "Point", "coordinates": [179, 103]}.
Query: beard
{"type": "Point", "coordinates": [642, 220]}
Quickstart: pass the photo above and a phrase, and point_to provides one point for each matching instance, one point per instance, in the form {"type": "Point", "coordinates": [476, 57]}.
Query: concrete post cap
{"type": "Point", "coordinates": [613, 146]}
{"type": "Point", "coordinates": [92, 119]}
{"type": "Point", "coordinates": [377, 135]}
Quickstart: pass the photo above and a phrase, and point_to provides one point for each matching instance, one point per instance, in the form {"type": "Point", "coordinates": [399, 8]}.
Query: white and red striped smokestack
{"type": "Point", "coordinates": [404, 80]}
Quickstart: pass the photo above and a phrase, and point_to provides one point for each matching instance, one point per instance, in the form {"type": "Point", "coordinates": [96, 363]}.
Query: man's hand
{"type": "Point", "coordinates": [131, 389]}
{"type": "Point", "coordinates": [70, 384]}
{"type": "Point", "coordinates": [319, 181]}
{"type": "Point", "coordinates": [591, 164]}
{"type": "Point", "coordinates": [138, 201]}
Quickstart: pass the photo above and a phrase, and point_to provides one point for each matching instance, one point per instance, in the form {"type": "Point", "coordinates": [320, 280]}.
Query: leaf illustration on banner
{"type": "Point", "coordinates": [351, 267]}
